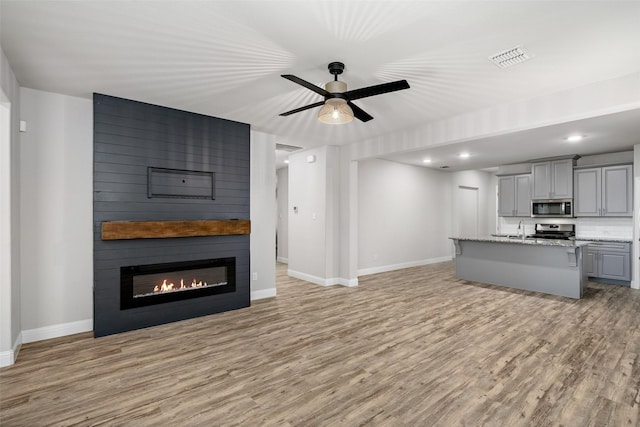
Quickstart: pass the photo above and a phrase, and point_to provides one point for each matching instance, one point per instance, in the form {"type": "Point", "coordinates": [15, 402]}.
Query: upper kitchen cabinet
{"type": "Point", "coordinates": [606, 191]}
{"type": "Point", "coordinates": [552, 179]}
{"type": "Point", "coordinates": [514, 195]}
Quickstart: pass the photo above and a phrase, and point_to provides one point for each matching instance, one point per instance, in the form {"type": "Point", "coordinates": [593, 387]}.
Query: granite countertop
{"type": "Point", "coordinates": [528, 241]}
{"type": "Point", "coordinates": [603, 239]}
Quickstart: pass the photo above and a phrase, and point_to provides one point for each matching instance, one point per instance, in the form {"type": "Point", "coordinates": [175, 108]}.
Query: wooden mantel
{"type": "Point", "coordinates": [121, 230]}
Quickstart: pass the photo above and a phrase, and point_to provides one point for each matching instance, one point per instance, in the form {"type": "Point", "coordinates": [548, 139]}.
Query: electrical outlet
{"type": "Point", "coordinates": [255, 276]}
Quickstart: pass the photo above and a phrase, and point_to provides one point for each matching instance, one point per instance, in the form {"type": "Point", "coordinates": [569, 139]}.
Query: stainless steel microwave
{"type": "Point", "coordinates": [553, 208]}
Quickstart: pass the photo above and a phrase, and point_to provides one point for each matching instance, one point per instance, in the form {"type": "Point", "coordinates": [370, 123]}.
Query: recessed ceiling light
{"type": "Point", "coordinates": [574, 138]}
{"type": "Point", "coordinates": [464, 155]}
{"type": "Point", "coordinates": [426, 161]}
{"type": "Point", "coordinates": [286, 161]}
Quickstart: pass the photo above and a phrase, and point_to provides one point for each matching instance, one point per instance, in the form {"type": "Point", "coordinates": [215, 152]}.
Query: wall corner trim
{"type": "Point", "coordinates": [349, 283]}
{"type": "Point", "coordinates": [263, 293]}
{"type": "Point", "coordinates": [8, 358]}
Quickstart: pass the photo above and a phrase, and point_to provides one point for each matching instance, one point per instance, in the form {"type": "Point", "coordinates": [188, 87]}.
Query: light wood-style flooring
{"type": "Point", "coordinates": [414, 347]}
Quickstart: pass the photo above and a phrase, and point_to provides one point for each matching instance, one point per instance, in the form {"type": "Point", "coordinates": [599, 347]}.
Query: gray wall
{"type": "Point", "coordinates": [131, 136]}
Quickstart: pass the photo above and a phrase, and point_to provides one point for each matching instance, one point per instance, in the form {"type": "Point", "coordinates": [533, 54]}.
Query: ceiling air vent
{"type": "Point", "coordinates": [285, 147]}
{"type": "Point", "coordinates": [510, 57]}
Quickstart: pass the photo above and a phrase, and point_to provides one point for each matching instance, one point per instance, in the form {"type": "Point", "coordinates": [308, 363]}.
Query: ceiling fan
{"type": "Point", "coordinates": [337, 107]}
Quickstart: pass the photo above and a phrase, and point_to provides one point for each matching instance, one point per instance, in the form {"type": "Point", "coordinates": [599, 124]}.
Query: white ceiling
{"type": "Point", "coordinates": [603, 134]}
{"type": "Point", "coordinates": [224, 59]}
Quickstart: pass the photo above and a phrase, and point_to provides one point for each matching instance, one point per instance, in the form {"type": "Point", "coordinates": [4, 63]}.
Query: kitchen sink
{"type": "Point", "coordinates": [512, 236]}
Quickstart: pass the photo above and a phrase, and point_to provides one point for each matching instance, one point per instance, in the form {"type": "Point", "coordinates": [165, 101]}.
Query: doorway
{"type": "Point", "coordinates": [467, 212]}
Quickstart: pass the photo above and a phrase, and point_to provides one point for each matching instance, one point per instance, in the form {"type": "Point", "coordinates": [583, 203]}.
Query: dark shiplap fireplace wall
{"type": "Point", "coordinates": [131, 137]}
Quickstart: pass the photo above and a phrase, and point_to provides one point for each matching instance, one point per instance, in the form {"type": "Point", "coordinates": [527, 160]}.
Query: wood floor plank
{"type": "Point", "coordinates": [410, 347]}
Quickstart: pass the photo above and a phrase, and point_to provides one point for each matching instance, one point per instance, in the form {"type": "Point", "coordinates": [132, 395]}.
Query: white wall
{"type": "Point", "coordinates": [314, 253]}
{"type": "Point", "coordinates": [5, 228]}
{"type": "Point", "coordinates": [307, 226]}
{"type": "Point", "coordinates": [348, 228]}
{"type": "Point", "coordinates": [404, 216]}
{"type": "Point", "coordinates": [263, 215]}
{"type": "Point", "coordinates": [283, 215]}
{"type": "Point", "coordinates": [10, 337]}
{"type": "Point", "coordinates": [57, 214]}
{"type": "Point", "coordinates": [486, 184]}
{"type": "Point", "coordinates": [332, 215]}
{"type": "Point", "coordinates": [635, 247]}
{"type": "Point", "coordinates": [322, 233]}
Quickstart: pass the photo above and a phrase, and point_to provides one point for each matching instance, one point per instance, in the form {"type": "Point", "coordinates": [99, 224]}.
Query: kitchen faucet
{"type": "Point", "coordinates": [521, 228]}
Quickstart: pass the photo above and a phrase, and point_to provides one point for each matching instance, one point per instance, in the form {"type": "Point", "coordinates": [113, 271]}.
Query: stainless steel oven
{"type": "Point", "coordinates": [554, 208]}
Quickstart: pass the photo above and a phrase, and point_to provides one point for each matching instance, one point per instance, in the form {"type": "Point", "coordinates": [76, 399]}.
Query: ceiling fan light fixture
{"type": "Point", "coordinates": [337, 107]}
{"type": "Point", "coordinates": [335, 111]}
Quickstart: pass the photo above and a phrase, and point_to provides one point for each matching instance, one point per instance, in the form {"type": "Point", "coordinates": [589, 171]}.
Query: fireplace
{"type": "Point", "coordinates": [171, 211]}
{"type": "Point", "coordinates": [151, 284]}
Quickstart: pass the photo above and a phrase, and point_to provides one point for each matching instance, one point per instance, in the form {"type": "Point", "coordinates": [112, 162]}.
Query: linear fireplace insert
{"type": "Point", "coordinates": [151, 284]}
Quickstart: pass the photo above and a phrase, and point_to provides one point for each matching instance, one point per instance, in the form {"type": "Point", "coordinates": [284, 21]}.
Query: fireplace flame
{"type": "Point", "coordinates": [168, 287]}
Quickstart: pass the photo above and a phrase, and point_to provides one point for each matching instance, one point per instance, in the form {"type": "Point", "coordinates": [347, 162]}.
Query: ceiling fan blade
{"type": "Point", "coordinates": [297, 110]}
{"type": "Point", "coordinates": [376, 90]}
{"type": "Point", "coordinates": [359, 113]}
{"type": "Point", "coordinates": [306, 84]}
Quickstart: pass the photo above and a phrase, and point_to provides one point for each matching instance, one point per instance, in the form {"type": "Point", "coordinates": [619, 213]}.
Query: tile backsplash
{"type": "Point", "coordinates": [617, 228]}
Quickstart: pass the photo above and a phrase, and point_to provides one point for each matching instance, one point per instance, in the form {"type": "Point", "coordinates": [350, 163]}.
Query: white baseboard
{"type": "Point", "coordinates": [349, 283]}
{"type": "Point", "coordinates": [282, 260]}
{"type": "Point", "coordinates": [9, 357]}
{"type": "Point", "coordinates": [55, 331]}
{"type": "Point", "coordinates": [263, 293]}
{"type": "Point", "coordinates": [323, 282]}
{"type": "Point", "coordinates": [392, 267]}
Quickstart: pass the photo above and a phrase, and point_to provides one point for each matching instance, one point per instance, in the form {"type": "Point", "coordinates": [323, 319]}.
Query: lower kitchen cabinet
{"type": "Point", "coordinates": [609, 260]}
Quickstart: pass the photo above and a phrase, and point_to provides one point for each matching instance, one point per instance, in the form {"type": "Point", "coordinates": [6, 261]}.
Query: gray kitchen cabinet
{"type": "Point", "coordinates": [506, 196]}
{"type": "Point", "coordinates": [514, 195]}
{"type": "Point", "coordinates": [541, 185]}
{"type": "Point", "coordinates": [590, 261]}
{"type": "Point", "coordinates": [609, 260]}
{"type": "Point", "coordinates": [588, 192]}
{"type": "Point", "coordinates": [552, 179]}
{"type": "Point", "coordinates": [617, 190]}
{"type": "Point", "coordinates": [606, 191]}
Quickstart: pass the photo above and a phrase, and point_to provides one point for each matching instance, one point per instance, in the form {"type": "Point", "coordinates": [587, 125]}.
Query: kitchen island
{"type": "Point", "coordinates": [540, 265]}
